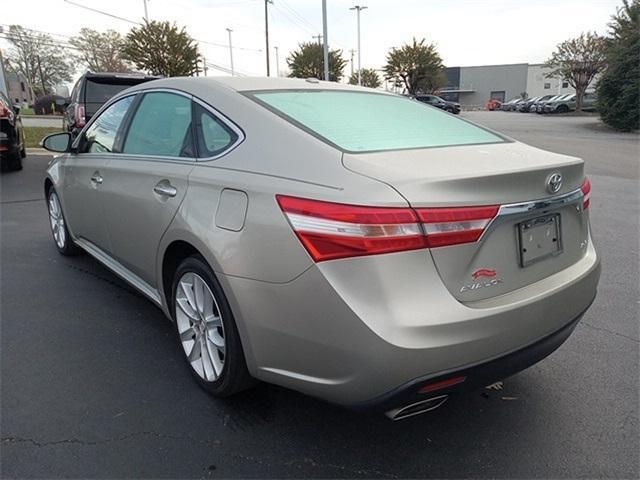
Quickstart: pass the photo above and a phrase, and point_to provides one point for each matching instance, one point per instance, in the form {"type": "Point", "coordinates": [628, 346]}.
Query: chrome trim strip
{"type": "Point", "coordinates": [551, 203]}
{"type": "Point", "coordinates": [525, 209]}
{"type": "Point", "coordinates": [117, 268]}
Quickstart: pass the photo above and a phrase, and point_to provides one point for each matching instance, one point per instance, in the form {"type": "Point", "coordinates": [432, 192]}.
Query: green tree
{"type": "Point", "coordinates": [42, 61]}
{"type": "Point", "coordinates": [160, 48]}
{"type": "Point", "coordinates": [619, 87]}
{"type": "Point", "coordinates": [578, 61]}
{"type": "Point", "coordinates": [308, 62]}
{"type": "Point", "coordinates": [370, 78]}
{"type": "Point", "coordinates": [417, 67]}
{"type": "Point", "coordinates": [100, 51]}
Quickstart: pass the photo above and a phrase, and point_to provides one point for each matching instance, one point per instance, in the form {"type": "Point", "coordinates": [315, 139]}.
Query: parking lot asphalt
{"type": "Point", "coordinates": [93, 384]}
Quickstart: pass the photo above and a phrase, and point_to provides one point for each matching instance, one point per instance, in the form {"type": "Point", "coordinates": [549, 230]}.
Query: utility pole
{"type": "Point", "coordinates": [352, 51]}
{"type": "Point", "coordinates": [204, 66]}
{"type": "Point", "coordinates": [266, 31]}
{"type": "Point", "coordinates": [326, 40]}
{"type": "Point", "coordinates": [231, 51]}
{"type": "Point", "coordinates": [277, 63]}
{"type": "Point", "coordinates": [358, 8]}
{"type": "Point", "coordinates": [146, 12]}
{"type": "Point", "coordinates": [318, 37]}
{"type": "Point", "coordinates": [44, 89]}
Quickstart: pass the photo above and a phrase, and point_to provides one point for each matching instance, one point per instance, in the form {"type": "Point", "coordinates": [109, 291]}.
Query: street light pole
{"type": "Point", "coordinates": [326, 40]}
{"type": "Point", "coordinates": [231, 51]}
{"type": "Point", "coordinates": [266, 32]}
{"type": "Point", "coordinates": [357, 8]}
{"type": "Point", "coordinates": [277, 62]}
{"type": "Point", "coordinates": [146, 13]}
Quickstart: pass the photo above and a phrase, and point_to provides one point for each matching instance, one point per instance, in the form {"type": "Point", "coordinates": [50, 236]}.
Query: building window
{"type": "Point", "coordinates": [547, 86]}
{"type": "Point", "coordinates": [565, 84]}
{"type": "Point", "coordinates": [22, 86]}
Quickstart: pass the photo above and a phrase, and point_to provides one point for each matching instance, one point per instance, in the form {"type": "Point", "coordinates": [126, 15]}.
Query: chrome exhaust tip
{"type": "Point", "coordinates": [417, 408]}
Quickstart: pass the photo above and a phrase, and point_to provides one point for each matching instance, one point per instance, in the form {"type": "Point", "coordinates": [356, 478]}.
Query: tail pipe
{"type": "Point", "coordinates": [416, 408]}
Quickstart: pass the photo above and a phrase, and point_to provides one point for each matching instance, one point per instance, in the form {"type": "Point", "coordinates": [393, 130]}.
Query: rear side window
{"type": "Point", "coordinates": [101, 135]}
{"type": "Point", "coordinates": [364, 122]}
{"type": "Point", "coordinates": [213, 136]}
{"type": "Point", "coordinates": [161, 126]}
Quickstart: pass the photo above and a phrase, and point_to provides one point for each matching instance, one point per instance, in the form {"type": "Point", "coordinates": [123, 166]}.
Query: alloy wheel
{"type": "Point", "coordinates": [200, 326]}
{"type": "Point", "coordinates": [57, 220]}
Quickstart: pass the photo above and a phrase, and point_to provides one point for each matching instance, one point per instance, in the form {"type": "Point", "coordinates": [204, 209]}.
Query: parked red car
{"type": "Point", "coordinates": [493, 104]}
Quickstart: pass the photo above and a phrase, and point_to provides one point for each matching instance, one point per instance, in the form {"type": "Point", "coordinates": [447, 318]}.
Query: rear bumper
{"type": "Point", "coordinates": [357, 331]}
{"type": "Point", "coordinates": [472, 377]}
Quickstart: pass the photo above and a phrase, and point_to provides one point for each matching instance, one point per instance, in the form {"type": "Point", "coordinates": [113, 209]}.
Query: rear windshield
{"type": "Point", "coordinates": [365, 122]}
{"type": "Point", "coordinates": [99, 91]}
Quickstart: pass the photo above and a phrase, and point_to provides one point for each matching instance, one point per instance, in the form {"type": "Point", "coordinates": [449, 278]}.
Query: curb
{"type": "Point", "coordinates": [39, 151]}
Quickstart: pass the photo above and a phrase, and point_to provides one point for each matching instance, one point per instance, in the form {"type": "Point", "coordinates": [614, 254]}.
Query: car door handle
{"type": "Point", "coordinates": [97, 178]}
{"type": "Point", "coordinates": [165, 189]}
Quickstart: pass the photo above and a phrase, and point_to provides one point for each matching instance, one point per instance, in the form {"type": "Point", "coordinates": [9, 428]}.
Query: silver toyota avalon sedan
{"type": "Point", "coordinates": [348, 243]}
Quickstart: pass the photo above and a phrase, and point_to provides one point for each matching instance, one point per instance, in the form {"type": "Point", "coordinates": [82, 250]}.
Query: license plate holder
{"type": "Point", "coordinates": [539, 238]}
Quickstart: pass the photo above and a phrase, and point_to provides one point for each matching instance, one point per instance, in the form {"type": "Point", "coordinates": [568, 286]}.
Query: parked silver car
{"type": "Point", "coordinates": [348, 243]}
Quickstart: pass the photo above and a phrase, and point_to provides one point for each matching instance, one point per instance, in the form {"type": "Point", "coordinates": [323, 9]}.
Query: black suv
{"type": "Point", "coordinates": [12, 146]}
{"type": "Point", "coordinates": [436, 101]}
{"type": "Point", "coordinates": [92, 91]}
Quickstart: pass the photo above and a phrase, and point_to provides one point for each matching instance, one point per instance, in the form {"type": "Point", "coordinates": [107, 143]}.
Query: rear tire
{"type": "Point", "coordinates": [206, 330]}
{"type": "Point", "coordinates": [61, 236]}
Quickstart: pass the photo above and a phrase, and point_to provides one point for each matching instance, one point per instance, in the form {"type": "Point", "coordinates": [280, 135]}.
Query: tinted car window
{"type": "Point", "coordinates": [362, 122]}
{"type": "Point", "coordinates": [99, 92]}
{"type": "Point", "coordinates": [101, 135]}
{"type": "Point", "coordinates": [161, 126]}
{"type": "Point", "coordinates": [213, 136]}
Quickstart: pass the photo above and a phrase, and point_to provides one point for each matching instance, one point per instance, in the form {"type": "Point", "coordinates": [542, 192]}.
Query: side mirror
{"type": "Point", "coordinates": [57, 142]}
{"type": "Point", "coordinates": [16, 109]}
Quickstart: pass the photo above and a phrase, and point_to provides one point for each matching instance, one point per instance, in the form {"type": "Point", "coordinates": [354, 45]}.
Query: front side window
{"type": "Point", "coordinates": [361, 122]}
{"type": "Point", "coordinates": [161, 126]}
{"type": "Point", "coordinates": [101, 134]}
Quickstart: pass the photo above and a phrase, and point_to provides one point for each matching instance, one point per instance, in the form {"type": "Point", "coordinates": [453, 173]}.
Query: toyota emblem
{"type": "Point", "coordinates": [554, 182]}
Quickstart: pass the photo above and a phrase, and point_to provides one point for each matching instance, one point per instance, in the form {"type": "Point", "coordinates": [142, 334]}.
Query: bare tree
{"type": "Point", "coordinates": [100, 51]}
{"type": "Point", "coordinates": [578, 61]}
{"type": "Point", "coordinates": [41, 60]}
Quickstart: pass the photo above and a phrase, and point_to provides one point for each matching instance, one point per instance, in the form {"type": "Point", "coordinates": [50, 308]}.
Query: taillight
{"type": "Point", "coordinates": [451, 226]}
{"type": "Point", "coordinates": [4, 111]}
{"type": "Point", "coordinates": [334, 230]}
{"type": "Point", "coordinates": [80, 115]}
{"type": "Point", "coordinates": [586, 191]}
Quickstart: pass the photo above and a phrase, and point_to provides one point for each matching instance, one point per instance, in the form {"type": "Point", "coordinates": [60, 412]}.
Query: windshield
{"type": "Point", "coordinates": [363, 122]}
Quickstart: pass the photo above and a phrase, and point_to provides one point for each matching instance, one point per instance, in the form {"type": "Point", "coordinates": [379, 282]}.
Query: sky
{"type": "Point", "coordinates": [466, 32]}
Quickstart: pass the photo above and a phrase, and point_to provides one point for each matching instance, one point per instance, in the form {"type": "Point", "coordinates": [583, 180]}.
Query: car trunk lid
{"type": "Point", "coordinates": [535, 233]}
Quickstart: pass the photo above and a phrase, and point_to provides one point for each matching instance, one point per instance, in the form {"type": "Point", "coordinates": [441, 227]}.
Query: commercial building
{"type": "Point", "coordinates": [474, 86]}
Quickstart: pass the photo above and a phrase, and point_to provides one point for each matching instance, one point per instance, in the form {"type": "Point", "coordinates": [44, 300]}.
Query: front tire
{"type": "Point", "coordinates": [61, 237]}
{"type": "Point", "coordinates": [562, 109]}
{"type": "Point", "coordinates": [206, 330]}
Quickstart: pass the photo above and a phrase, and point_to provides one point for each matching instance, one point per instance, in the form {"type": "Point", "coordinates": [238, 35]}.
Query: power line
{"type": "Point", "coordinates": [298, 15]}
{"type": "Point", "coordinates": [294, 21]}
{"type": "Point", "coordinates": [103, 13]}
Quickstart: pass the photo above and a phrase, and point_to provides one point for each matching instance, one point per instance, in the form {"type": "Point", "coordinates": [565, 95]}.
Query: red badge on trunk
{"type": "Point", "coordinates": [484, 272]}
